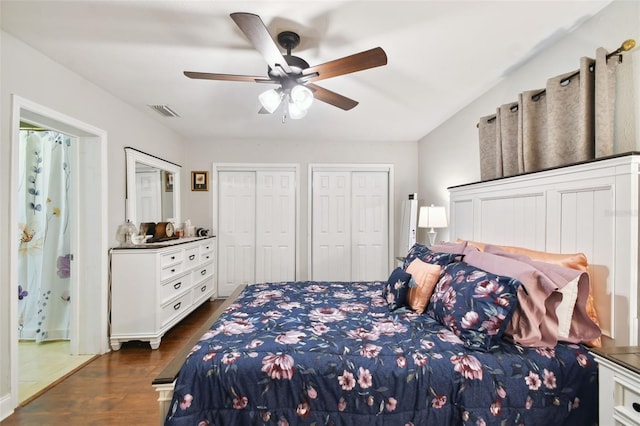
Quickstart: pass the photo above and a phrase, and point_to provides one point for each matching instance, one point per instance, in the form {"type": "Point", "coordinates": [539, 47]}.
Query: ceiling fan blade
{"type": "Point", "coordinates": [227, 77]}
{"type": "Point", "coordinates": [357, 62]}
{"type": "Point", "coordinates": [255, 30]}
{"type": "Point", "coordinates": [332, 98]}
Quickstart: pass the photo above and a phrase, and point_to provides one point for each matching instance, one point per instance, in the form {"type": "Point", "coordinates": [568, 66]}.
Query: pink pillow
{"type": "Point", "coordinates": [576, 261]}
{"type": "Point", "coordinates": [552, 299]}
{"type": "Point", "coordinates": [446, 247]}
{"type": "Point", "coordinates": [425, 276]}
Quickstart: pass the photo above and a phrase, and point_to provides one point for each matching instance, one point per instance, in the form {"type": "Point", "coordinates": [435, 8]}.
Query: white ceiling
{"type": "Point", "coordinates": [441, 56]}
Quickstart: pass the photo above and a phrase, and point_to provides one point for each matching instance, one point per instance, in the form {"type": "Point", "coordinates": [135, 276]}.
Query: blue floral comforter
{"type": "Point", "coordinates": [320, 353]}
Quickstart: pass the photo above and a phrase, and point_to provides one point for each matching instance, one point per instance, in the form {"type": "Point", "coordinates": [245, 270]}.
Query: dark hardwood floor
{"type": "Point", "coordinates": [115, 388]}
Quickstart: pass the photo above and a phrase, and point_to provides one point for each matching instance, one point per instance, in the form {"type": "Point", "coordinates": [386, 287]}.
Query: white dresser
{"type": "Point", "coordinates": [619, 385]}
{"type": "Point", "coordinates": [154, 286]}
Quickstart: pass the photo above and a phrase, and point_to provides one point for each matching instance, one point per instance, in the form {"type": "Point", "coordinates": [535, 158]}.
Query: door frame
{"type": "Point", "coordinates": [350, 168]}
{"type": "Point", "coordinates": [89, 234]}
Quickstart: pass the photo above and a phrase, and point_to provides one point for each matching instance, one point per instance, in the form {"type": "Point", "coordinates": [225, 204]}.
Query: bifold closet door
{"type": "Point", "coordinates": [256, 228]}
{"type": "Point", "coordinates": [369, 226]}
{"type": "Point", "coordinates": [236, 229]}
{"type": "Point", "coordinates": [350, 225]}
{"type": "Point", "coordinates": [275, 226]}
{"type": "Point", "coordinates": [331, 226]}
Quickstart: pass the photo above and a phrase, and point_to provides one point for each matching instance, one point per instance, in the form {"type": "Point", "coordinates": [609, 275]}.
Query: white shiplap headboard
{"type": "Point", "coordinates": [590, 208]}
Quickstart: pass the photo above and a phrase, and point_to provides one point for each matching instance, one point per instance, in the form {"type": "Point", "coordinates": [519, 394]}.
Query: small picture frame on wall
{"type": "Point", "coordinates": [168, 182]}
{"type": "Point", "coordinates": [200, 181]}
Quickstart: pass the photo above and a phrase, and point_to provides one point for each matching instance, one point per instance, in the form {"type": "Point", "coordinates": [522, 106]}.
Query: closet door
{"type": "Point", "coordinates": [236, 229]}
{"type": "Point", "coordinates": [256, 226]}
{"type": "Point", "coordinates": [331, 226]}
{"type": "Point", "coordinates": [350, 225]}
{"type": "Point", "coordinates": [370, 226]}
{"type": "Point", "coordinates": [275, 226]}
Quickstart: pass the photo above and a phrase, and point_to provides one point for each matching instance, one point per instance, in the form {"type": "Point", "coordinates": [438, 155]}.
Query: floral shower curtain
{"type": "Point", "coordinates": [43, 216]}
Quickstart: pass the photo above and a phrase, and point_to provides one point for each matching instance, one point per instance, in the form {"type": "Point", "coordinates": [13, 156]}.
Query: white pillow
{"type": "Point", "coordinates": [564, 311]}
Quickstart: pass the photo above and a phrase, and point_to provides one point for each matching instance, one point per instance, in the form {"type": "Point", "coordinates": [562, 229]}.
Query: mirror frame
{"type": "Point", "coordinates": [134, 156]}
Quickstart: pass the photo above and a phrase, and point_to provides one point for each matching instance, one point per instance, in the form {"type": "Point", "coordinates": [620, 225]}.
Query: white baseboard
{"type": "Point", "coordinates": [6, 407]}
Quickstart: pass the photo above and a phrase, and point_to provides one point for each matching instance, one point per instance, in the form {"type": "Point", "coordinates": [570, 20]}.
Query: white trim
{"type": "Point", "coordinates": [97, 238]}
{"type": "Point", "coordinates": [134, 156]}
{"type": "Point", "coordinates": [6, 406]}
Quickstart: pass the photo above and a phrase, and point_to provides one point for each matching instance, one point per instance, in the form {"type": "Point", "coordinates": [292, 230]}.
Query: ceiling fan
{"type": "Point", "coordinates": [293, 75]}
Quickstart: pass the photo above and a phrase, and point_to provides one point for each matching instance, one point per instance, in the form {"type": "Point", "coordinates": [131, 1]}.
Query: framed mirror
{"type": "Point", "coordinates": [153, 188]}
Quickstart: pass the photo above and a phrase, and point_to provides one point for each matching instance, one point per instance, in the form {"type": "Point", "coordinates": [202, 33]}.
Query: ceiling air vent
{"type": "Point", "coordinates": [165, 110]}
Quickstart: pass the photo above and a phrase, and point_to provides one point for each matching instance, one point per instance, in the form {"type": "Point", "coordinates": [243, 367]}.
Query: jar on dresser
{"type": "Point", "coordinates": [154, 286]}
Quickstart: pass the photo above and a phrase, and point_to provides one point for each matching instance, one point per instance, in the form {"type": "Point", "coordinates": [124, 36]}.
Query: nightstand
{"type": "Point", "coordinates": [619, 385]}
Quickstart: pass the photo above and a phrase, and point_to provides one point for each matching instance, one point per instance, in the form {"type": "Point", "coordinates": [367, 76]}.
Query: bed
{"type": "Point", "coordinates": [428, 373]}
{"type": "Point", "coordinates": [351, 353]}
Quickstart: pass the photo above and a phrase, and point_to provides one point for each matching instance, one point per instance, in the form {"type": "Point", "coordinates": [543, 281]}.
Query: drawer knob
{"type": "Point", "coordinates": [204, 287]}
{"type": "Point", "coordinates": [193, 256]}
{"type": "Point", "coordinates": [203, 272]}
{"type": "Point", "coordinates": [173, 258]}
{"type": "Point", "coordinates": [208, 257]}
{"type": "Point", "coordinates": [177, 285]}
{"type": "Point", "coordinates": [177, 306]}
{"type": "Point", "coordinates": [173, 270]}
{"type": "Point", "coordinates": [636, 406]}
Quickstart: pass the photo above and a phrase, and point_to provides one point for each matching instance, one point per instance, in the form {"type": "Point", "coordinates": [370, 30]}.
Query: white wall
{"type": "Point", "coordinates": [33, 76]}
{"type": "Point", "coordinates": [204, 153]}
{"type": "Point", "coordinates": [449, 155]}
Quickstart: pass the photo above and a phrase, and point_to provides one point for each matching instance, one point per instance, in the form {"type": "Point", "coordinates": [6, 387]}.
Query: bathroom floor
{"type": "Point", "coordinates": [43, 364]}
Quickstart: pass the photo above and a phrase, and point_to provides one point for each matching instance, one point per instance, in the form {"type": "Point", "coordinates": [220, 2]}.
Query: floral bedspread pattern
{"type": "Point", "coordinates": [334, 354]}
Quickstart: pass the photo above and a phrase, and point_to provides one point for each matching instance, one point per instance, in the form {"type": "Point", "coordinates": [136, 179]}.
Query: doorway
{"type": "Point", "coordinates": [88, 334]}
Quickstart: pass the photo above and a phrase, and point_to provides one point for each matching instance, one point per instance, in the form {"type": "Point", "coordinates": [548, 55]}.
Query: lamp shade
{"type": "Point", "coordinates": [432, 217]}
{"type": "Point", "coordinates": [295, 112]}
{"type": "Point", "coordinates": [270, 99]}
{"type": "Point", "coordinates": [302, 97]}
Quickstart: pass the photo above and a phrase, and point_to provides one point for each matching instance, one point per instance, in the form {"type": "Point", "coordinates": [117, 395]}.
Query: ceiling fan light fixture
{"type": "Point", "coordinates": [270, 99]}
{"type": "Point", "coordinates": [301, 96]}
{"type": "Point", "coordinates": [294, 111]}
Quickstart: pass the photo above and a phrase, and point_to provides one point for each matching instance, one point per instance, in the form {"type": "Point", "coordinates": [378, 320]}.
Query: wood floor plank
{"type": "Point", "coordinates": [115, 388]}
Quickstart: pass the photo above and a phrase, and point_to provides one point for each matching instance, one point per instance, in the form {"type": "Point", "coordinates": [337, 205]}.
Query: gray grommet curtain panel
{"type": "Point", "coordinates": [572, 119]}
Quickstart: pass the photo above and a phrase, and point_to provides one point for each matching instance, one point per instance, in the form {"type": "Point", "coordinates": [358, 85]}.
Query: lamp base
{"type": "Point", "coordinates": [432, 236]}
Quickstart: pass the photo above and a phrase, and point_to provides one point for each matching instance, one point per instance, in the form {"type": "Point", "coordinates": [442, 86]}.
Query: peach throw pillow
{"type": "Point", "coordinates": [425, 276]}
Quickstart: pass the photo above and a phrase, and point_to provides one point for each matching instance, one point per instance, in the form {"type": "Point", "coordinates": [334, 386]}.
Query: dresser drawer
{"type": "Point", "coordinates": [626, 399]}
{"type": "Point", "coordinates": [206, 247]}
{"type": "Point", "coordinates": [202, 291]}
{"type": "Point", "coordinates": [203, 272]}
{"type": "Point", "coordinates": [191, 257]}
{"type": "Point", "coordinates": [206, 252]}
{"type": "Point", "coordinates": [171, 258]}
{"type": "Point", "coordinates": [171, 271]}
{"type": "Point", "coordinates": [206, 257]}
{"type": "Point", "coordinates": [172, 288]}
{"type": "Point", "coordinates": [619, 385]}
{"type": "Point", "coordinates": [175, 308]}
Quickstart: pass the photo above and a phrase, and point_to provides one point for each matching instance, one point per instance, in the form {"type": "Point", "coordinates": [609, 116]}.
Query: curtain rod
{"type": "Point", "coordinates": [624, 47]}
